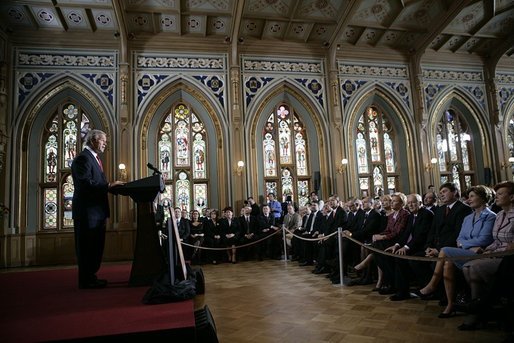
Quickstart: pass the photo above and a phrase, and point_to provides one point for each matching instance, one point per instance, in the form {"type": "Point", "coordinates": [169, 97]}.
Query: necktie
{"type": "Point", "coordinates": [100, 163]}
{"type": "Point", "coordinates": [447, 210]}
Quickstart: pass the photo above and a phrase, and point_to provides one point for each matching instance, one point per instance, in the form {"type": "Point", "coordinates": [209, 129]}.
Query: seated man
{"type": "Point", "coordinates": [249, 232]}
{"type": "Point", "coordinates": [411, 241]}
{"type": "Point", "coordinates": [444, 231]}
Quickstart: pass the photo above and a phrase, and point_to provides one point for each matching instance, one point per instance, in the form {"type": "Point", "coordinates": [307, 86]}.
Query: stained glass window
{"type": "Point", "coordinates": [454, 150]}
{"type": "Point", "coordinates": [62, 138]}
{"type": "Point", "coordinates": [285, 155]}
{"type": "Point", "coordinates": [182, 150]}
{"type": "Point", "coordinates": [375, 149]}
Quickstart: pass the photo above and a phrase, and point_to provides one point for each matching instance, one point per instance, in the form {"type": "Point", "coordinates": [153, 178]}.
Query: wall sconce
{"type": "Point", "coordinates": [342, 167]}
{"type": "Point", "coordinates": [122, 172]}
{"type": "Point", "coordinates": [240, 166]}
{"type": "Point", "coordinates": [431, 165]}
{"type": "Point", "coordinates": [509, 163]}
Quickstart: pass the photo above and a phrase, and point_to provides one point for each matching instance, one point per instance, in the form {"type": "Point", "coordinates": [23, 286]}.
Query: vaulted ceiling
{"type": "Point", "coordinates": [479, 27]}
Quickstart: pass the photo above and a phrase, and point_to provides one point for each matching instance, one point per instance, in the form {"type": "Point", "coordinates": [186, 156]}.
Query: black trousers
{"type": "Point", "coordinates": [89, 248]}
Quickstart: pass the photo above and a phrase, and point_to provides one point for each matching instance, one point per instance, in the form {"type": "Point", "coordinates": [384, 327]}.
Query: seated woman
{"type": "Point", "coordinates": [396, 223]}
{"type": "Point", "coordinates": [475, 233]}
{"type": "Point", "coordinates": [196, 235]}
{"type": "Point", "coordinates": [213, 237]}
{"type": "Point", "coordinates": [231, 230]}
{"type": "Point", "coordinates": [480, 272]}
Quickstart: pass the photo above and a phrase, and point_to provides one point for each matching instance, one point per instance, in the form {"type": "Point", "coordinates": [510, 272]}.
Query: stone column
{"type": "Point", "coordinates": [125, 204]}
{"type": "Point", "coordinates": [336, 147]}
{"type": "Point", "coordinates": [237, 141]}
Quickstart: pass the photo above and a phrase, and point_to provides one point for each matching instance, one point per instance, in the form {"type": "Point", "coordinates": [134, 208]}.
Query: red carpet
{"type": "Point", "coordinates": [47, 305]}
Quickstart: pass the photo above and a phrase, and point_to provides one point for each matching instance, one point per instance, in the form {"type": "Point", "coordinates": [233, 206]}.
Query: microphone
{"type": "Point", "coordinates": [151, 167]}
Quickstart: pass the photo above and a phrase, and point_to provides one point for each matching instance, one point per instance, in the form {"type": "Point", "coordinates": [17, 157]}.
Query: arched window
{"type": "Point", "coordinates": [454, 150]}
{"type": "Point", "coordinates": [62, 138]}
{"type": "Point", "coordinates": [182, 150]}
{"type": "Point", "coordinates": [285, 154]}
{"type": "Point", "coordinates": [375, 147]}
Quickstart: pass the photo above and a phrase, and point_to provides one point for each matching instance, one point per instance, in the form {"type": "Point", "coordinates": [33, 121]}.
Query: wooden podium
{"type": "Point", "coordinates": [149, 261]}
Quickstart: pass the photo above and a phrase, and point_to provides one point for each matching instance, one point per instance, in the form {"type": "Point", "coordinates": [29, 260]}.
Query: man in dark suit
{"type": "Point", "coordinates": [90, 208]}
{"type": "Point", "coordinates": [328, 252]}
{"type": "Point", "coordinates": [183, 224]}
{"type": "Point", "coordinates": [266, 227]}
{"type": "Point", "coordinates": [249, 231]}
{"type": "Point", "coordinates": [362, 231]}
{"type": "Point", "coordinates": [445, 228]}
{"type": "Point", "coordinates": [313, 227]}
{"type": "Point", "coordinates": [411, 241]}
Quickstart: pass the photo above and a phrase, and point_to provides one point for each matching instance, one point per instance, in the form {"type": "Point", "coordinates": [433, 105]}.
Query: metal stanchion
{"type": "Point", "coordinates": [285, 242]}
{"type": "Point", "coordinates": [340, 243]}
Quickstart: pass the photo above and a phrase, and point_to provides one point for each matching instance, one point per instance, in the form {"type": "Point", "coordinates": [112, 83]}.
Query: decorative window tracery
{"type": "Point", "coordinates": [375, 148]}
{"type": "Point", "coordinates": [454, 150]}
{"type": "Point", "coordinates": [285, 155]}
{"type": "Point", "coordinates": [62, 139]}
{"type": "Point", "coordinates": [182, 149]}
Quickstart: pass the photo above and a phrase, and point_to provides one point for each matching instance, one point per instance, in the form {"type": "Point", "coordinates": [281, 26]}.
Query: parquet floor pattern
{"type": "Point", "coordinates": [277, 301]}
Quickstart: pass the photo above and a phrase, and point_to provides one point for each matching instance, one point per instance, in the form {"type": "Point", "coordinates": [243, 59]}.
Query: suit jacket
{"type": "Point", "coordinates": [212, 229]}
{"type": "Point", "coordinates": [292, 221]}
{"type": "Point", "coordinates": [265, 223]}
{"type": "Point", "coordinates": [355, 219]}
{"type": "Point", "coordinates": [234, 227]}
{"type": "Point", "coordinates": [319, 223]}
{"type": "Point", "coordinates": [446, 228]}
{"type": "Point", "coordinates": [184, 228]}
{"type": "Point", "coordinates": [90, 203]}
{"type": "Point", "coordinates": [251, 227]}
{"type": "Point", "coordinates": [370, 225]}
{"type": "Point", "coordinates": [340, 219]}
{"type": "Point", "coordinates": [396, 226]}
{"type": "Point", "coordinates": [416, 232]}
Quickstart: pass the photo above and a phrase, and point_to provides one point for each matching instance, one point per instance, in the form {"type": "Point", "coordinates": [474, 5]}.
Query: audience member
{"type": "Point", "coordinates": [475, 234]}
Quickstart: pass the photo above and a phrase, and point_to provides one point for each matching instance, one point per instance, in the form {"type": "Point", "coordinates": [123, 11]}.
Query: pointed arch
{"type": "Point", "coordinates": [402, 124]}
{"type": "Point", "coordinates": [146, 131]}
{"type": "Point", "coordinates": [459, 100]}
{"type": "Point", "coordinates": [308, 113]}
{"type": "Point", "coordinates": [28, 133]}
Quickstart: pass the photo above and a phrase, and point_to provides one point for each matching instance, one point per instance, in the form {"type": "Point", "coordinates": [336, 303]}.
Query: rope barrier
{"type": "Point", "coordinates": [432, 259]}
{"type": "Point", "coordinates": [311, 239]}
{"type": "Point", "coordinates": [236, 246]}
{"type": "Point", "coordinates": [366, 246]}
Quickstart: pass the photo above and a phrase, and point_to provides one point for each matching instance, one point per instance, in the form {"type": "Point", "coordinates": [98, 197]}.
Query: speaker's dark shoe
{"type": "Point", "coordinates": [98, 283]}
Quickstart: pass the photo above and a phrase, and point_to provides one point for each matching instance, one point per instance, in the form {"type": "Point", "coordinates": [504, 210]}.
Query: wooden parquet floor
{"type": "Point", "coordinates": [275, 301]}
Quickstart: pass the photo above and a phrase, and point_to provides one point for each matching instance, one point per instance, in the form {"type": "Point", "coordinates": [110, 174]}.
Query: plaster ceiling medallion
{"type": "Point", "coordinates": [104, 19]}
{"type": "Point", "coordinates": [168, 23]}
{"type": "Point", "coordinates": [46, 17]}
